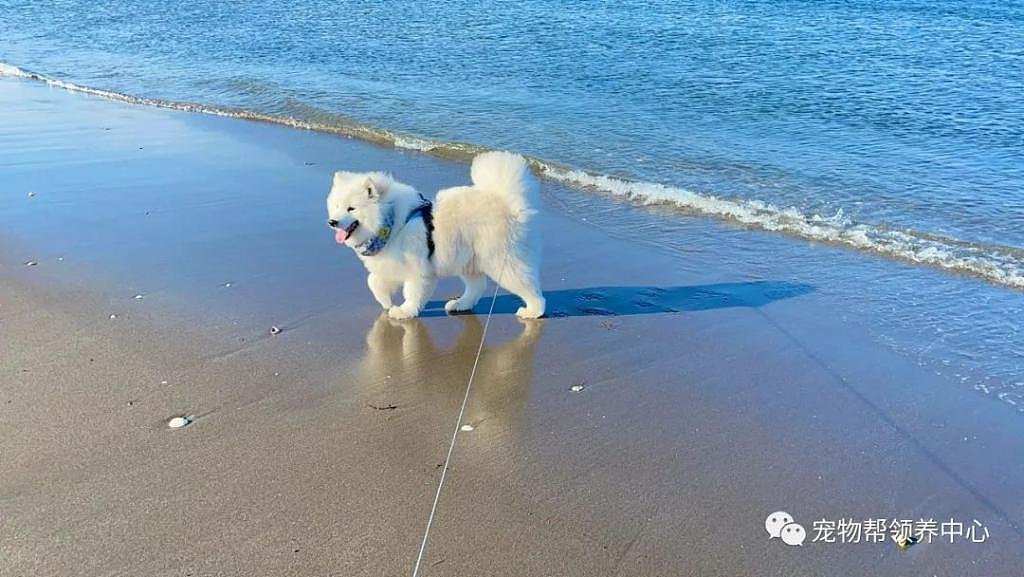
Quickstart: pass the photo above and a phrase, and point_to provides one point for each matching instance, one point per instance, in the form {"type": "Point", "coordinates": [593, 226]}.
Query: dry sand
{"type": "Point", "coordinates": [708, 401]}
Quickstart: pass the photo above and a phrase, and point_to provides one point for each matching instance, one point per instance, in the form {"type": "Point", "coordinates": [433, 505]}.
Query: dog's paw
{"type": "Point", "coordinates": [400, 313]}
{"type": "Point", "coordinates": [455, 306]}
{"type": "Point", "coordinates": [528, 313]}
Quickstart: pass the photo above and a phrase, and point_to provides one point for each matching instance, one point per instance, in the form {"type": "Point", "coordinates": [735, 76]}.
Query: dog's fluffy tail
{"type": "Point", "coordinates": [506, 175]}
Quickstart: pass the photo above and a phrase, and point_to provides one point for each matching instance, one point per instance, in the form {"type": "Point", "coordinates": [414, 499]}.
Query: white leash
{"type": "Point", "coordinates": [458, 425]}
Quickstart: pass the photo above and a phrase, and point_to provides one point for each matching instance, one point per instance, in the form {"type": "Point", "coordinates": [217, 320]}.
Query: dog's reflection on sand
{"type": "Point", "coordinates": [404, 364]}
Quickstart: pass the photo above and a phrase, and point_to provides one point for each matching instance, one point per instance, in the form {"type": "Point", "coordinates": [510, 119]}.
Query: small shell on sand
{"type": "Point", "coordinates": [903, 542]}
{"type": "Point", "coordinates": [31, 194]}
{"type": "Point", "coordinates": [275, 330]}
{"type": "Point", "coordinates": [178, 422]}
{"type": "Point", "coordinates": [139, 297]}
{"type": "Point", "coordinates": [467, 427]}
{"type": "Point", "coordinates": [576, 388]}
{"type": "Point", "coordinates": [31, 263]}
{"type": "Point", "coordinates": [227, 284]}
{"type": "Point", "coordinates": [112, 317]}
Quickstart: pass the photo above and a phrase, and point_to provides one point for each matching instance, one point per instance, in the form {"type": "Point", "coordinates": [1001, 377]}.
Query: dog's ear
{"type": "Point", "coordinates": [372, 191]}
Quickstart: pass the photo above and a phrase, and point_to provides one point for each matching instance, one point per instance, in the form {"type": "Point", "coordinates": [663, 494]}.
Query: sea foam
{"type": "Point", "coordinates": [1003, 265]}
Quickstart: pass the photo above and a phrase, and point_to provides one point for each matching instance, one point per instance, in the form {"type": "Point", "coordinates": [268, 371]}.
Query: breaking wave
{"type": "Point", "coordinates": [1003, 265]}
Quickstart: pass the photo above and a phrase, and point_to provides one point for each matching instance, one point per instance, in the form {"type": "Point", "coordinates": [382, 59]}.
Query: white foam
{"type": "Point", "coordinates": [8, 70]}
{"type": "Point", "coordinates": [997, 264]}
{"type": "Point", "coordinates": [413, 143]}
{"type": "Point", "coordinates": [1002, 265]}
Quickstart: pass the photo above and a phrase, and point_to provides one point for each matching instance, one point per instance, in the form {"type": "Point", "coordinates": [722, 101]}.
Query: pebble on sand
{"type": "Point", "coordinates": [576, 388]}
{"type": "Point", "coordinates": [275, 330]}
{"type": "Point", "coordinates": [139, 297]}
{"type": "Point", "coordinates": [112, 317]}
{"type": "Point", "coordinates": [178, 422]}
{"type": "Point", "coordinates": [31, 194]}
{"type": "Point", "coordinates": [466, 427]}
{"type": "Point", "coordinates": [31, 263]}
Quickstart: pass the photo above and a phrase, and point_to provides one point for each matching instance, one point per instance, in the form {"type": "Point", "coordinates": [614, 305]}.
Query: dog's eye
{"type": "Point", "coordinates": [349, 209]}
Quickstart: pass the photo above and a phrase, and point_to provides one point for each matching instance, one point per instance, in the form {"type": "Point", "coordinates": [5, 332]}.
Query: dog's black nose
{"type": "Point", "coordinates": [332, 222]}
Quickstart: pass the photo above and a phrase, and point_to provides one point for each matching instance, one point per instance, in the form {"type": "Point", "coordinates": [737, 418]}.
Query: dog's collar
{"type": "Point", "coordinates": [378, 241]}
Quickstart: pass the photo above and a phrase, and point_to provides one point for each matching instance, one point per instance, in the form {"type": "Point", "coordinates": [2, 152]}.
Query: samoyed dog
{"type": "Point", "coordinates": [487, 229]}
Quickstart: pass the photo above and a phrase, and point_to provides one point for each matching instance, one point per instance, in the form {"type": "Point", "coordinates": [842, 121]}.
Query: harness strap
{"type": "Point", "coordinates": [376, 243]}
{"type": "Point", "coordinates": [425, 211]}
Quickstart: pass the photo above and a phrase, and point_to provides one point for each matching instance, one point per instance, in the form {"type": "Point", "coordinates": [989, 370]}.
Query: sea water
{"type": "Point", "coordinates": [895, 129]}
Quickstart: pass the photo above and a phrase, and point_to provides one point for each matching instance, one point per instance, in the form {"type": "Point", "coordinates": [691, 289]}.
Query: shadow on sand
{"type": "Point", "coordinates": [644, 300]}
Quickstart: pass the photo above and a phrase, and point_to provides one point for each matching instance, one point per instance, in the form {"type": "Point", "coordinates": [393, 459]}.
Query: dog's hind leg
{"type": "Point", "coordinates": [475, 286]}
{"type": "Point", "coordinates": [521, 281]}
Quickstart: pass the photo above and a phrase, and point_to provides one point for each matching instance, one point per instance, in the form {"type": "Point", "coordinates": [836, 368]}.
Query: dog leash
{"type": "Point", "coordinates": [458, 424]}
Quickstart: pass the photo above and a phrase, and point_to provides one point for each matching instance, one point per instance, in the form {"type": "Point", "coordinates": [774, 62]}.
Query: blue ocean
{"type": "Point", "coordinates": [893, 129]}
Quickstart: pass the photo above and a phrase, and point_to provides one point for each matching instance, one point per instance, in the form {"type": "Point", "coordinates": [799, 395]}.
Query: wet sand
{"type": "Point", "coordinates": [709, 399]}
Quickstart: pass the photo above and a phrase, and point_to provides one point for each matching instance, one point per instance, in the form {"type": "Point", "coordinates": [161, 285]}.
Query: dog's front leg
{"type": "Point", "coordinates": [381, 290]}
{"type": "Point", "coordinates": [416, 292]}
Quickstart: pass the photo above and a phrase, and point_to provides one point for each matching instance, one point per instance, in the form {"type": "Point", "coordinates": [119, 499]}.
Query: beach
{"type": "Point", "coordinates": [648, 426]}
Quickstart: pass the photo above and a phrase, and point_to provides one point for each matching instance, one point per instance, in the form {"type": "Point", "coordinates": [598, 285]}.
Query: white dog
{"type": "Point", "coordinates": [485, 230]}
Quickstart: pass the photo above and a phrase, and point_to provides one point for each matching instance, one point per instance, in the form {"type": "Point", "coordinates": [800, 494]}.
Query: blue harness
{"type": "Point", "coordinates": [377, 242]}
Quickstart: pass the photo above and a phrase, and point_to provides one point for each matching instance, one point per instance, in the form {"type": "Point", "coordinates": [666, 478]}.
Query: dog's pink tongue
{"type": "Point", "coordinates": [340, 236]}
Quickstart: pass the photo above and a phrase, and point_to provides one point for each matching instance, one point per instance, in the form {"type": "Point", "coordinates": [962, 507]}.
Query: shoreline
{"type": "Point", "coordinates": [993, 263]}
{"type": "Point", "coordinates": [712, 395]}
